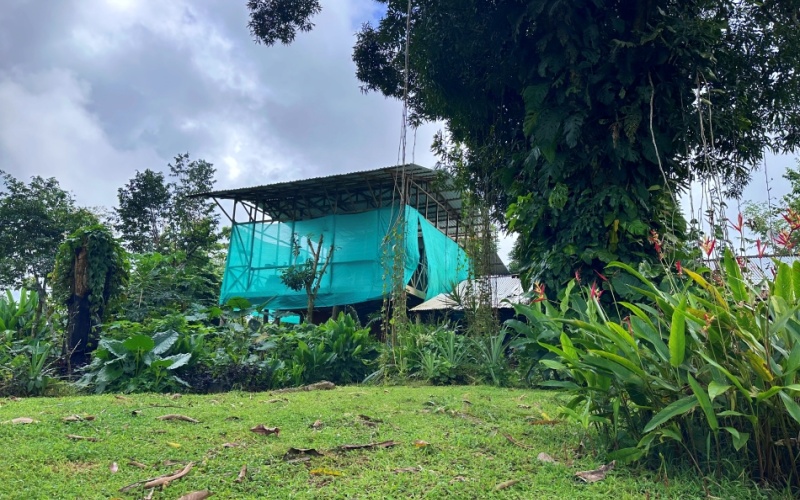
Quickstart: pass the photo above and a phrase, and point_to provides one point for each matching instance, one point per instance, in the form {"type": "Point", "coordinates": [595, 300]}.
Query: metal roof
{"type": "Point", "coordinates": [330, 183]}
{"type": "Point", "coordinates": [506, 290]}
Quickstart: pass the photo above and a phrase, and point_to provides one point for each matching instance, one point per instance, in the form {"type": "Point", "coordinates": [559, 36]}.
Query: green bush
{"type": "Point", "coordinates": [709, 371]}
{"type": "Point", "coordinates": [140, 363]}
{"type": "Point", "coordinates": [17, 316]}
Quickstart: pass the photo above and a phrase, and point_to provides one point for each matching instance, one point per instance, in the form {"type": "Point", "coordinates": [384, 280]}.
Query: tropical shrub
{"type": "Point", "coordinates": [17, 315]}
{"type": "Point", "coordinates": [339, 350]}
{"type": "Point", "coordinates": [139, 363]}
{"type": "Point", "coordinates": [710, 371]}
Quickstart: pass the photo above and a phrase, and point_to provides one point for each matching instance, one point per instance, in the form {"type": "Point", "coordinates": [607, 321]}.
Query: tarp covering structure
{"type": "Point", "coordinates": [360, 268]}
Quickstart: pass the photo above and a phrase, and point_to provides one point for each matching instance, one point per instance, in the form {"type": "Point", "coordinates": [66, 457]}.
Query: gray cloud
{"type": "Point", "coordinates": [92, 90]}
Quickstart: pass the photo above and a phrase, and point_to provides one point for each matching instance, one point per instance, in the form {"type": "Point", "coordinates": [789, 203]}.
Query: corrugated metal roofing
{"type": "Point", "coordinates": [506, 290]}
{"type": "Point", "coordinates": [279, 189]}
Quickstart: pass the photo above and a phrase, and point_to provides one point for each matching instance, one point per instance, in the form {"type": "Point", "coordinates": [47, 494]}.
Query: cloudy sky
{"type": "Point", "coordinates": [92, 90]}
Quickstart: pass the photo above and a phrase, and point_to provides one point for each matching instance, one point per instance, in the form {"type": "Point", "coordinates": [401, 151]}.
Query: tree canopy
{"type": "Point", "coordinates": [35, 218]}
{"type": "Point", "coordinates": [586, 118]}
{"type": "Point", "coordinates": [159, 215]}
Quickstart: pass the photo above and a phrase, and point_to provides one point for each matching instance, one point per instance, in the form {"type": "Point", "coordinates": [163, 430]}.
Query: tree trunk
{"type": "Point", "coordinates": [311, 296]}
{"type": "Point", "coordinates": [79, 329]}
{"type": "Point", "coordinates": [79, 343]}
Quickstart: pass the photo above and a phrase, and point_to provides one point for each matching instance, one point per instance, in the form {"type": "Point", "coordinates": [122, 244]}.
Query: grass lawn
{"type": "Point", "coordinates": [467, 454]}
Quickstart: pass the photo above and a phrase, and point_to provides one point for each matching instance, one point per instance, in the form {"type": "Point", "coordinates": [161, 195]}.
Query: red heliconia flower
{"type": "Point", "coordinates": [761, 247]}
{"type": "Point", "coordinates": [656, 241]}
{"type": "Point", "coordinates": [740, 224]}
{"type": "Point", "coordinates": [600, 275]}
{"type": "Point", "coordinates": [594, 291]}
{"type": "Point", "coordinates": [578, 276]}
{"type": "Point", "coordinates": [793, 219]}
{"type": "Point", "coordinates": [742, 263]}
{"type": "Point", "coordinates": [708, 246]}
{"type": "Point", "coordinates": [784, 239]}
{"type": "Point", "coordinates": [679, 268]}
{"type": "Point", "coordinates": [538, 289]}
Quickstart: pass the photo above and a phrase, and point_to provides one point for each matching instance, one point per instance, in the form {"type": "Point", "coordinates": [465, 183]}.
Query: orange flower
{"type": "Point", "coordinates": [538, 289]}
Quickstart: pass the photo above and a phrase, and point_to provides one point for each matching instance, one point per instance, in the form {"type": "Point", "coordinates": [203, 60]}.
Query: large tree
{"type": "Point", "coordinates": [35, 218]}
{"type": "Point", "coordinates": [585, 118]}
{"type": "Point", "coordinates": [158, 214]}
{"type": "Point", "coordinates": [174, 238]}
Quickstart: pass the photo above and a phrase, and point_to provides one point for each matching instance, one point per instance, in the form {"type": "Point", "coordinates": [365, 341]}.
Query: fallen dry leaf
{"type": "Point", "coordinates": [317, 424]}
{"type": "Point", "coordinates": [383, 444]}
{"type": "Point", "coordinates": [149, 495]}
{"type": "Point", "coordinates": [75, 437]}
{"type": "Point", "coordinates": [114, 468]}
{"type": "Point", "coordinates": [276, 400]}
{"type": "Point", "coordinates": [466, 401]}
{"type": "Point", "coordinates": [407, 469]}
{"type": "Point", "coordinates": [167, 463]}
{"type": "Point", "coordinates": [136, 413]}
{"type": "Point", "coordinates": [230, 445]}
{"type": "Point", "coordinates": [242, 474]}
{"type": "Point", "coordinates": [514, 441]}
{"type": "Point", "coordinates": [175, 396]}
{"type": "Point", "coordinates": [592, 476]}
{"type": "Point", "coordinates": [525, 407]}
{"type": "Point", "coordinates": [173, 445]}
{"type": "Point", "coordinates": [174, 416]}
{"type": "Point", "coordinates": [196, 495]}
{"type": "Point", "coordinates": [298, 453]}
{"type": "Point", "coordinates": [366, 418]}
{"type": "Point", "coordinates": [506, 484]}
{"type": "Point", "coordinates": [262, 429]}
{"type": "Point", "coordinates": [134, 463]}
{"type": "Point", "coordinates": [458, 479]}
{"type": "Point", "coordinates": [544, 457]}
{"type": "Point", "coordinates": [318, 386]}
{"type": "Point", "coordinates": [21, 420]}
{"type": "Point", "coordinates": [420, 443]}
{"type": "Point", "coordinates": [324, 472]}
{"type": "Point", "coordinates": [160, 480]}
{"type": "Point", "coordinates": [122, 398]}
{"type": "Point", "coordinates": [78, 418]}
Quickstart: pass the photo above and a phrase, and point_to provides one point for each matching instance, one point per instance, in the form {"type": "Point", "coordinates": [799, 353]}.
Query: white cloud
{"type": "Point", "coordinates": [45, 130]}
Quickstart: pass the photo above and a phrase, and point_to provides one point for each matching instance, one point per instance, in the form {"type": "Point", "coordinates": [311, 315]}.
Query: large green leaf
{"type": "Point", "coordinates": [178, 360]}
{"type": "Point", "coordinates": [677, 334]}
{"type": "Point", "coordinates": [783, 283]}
{"type": "Point", "coordinates": [733, 276]}
{"type": "Point", "coordinates": [791, 406]}
{"type": "Point", "coordinates": [143, 343]}
{"type": "Point", "coordinates": [715, 389]}
{"type": "Point", "coordinates": [705, 403]}
{"type": "Point", "coordinates": [796, 278]}
{"type": "Point", "coordinates": [739, 438]}
{"type": "Point", "coordinates": [678, 407]}
{"type": "Point", "coordinates": [163, 341]}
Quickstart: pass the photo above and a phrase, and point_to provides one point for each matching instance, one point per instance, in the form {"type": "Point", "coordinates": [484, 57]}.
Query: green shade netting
{"type": "Point", "coordinates": [360, 267]}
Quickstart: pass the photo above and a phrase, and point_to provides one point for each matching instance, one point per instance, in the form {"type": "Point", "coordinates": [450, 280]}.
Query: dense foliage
{"type": "Point", "coordinates": [711, 370]}
{"type": "Point", "coordinates": [35, 218]}
{"type": "Point", "coordinates": [91, 271]}
{"type": "Point", "coordinates": [585, 118]}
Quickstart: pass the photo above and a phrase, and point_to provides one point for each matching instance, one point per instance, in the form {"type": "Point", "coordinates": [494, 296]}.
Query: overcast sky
{"type": "Point", "coordinates": [92, 90]}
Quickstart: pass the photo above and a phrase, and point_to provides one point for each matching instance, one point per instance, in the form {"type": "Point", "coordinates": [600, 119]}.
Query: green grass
{"type": "Point", "coordinates": [467, 455]}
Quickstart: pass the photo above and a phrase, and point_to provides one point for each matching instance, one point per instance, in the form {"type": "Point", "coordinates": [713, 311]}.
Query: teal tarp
{"type": "Point", "coordinates": [360, 267]}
